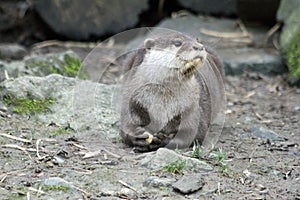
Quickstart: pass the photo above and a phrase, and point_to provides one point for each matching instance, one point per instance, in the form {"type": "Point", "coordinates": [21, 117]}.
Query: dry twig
{"type": "Point", "coordinates": [78, 145]}
{"type": "Point", "coordinates": [127, 185]}
{"type": "Point", "coordinates": [83, 191]}
{"type": "Point", "coordinates": [81, 171]}
{"type": "Point", "coordinates": [6, 75]}
{"type": "Point", "coordinates": [219, 188]}
{"type": "Point", "coordinates": [250, 94]}
{"type": "Point", "coordinates": [36, 190]}
{"type": "Point", "coordinates": [273, 30]}
{"type": "Point", "coordinates": [64, 44]}
{"type": "Point", "coordinates": [91, 154]}
{"type": "Point", "coordinates": [112, 154]}
{"type": "Point", "coordinates": [243, 37]}
{"type": "Point", "coordinates": [14, 146]}
{"type": "Point", "coordinates": [37, 145]}
{"type": "Point", "coordinates": [244, 29]}
{"type": "Point", "coordinates": [28, 195]}
{"type": "Point", "coordinates": [160, 7]}
{"type": "Point", "coordinates": [3, 178]}
{"type": "Point", "coordinates": [15, 138]}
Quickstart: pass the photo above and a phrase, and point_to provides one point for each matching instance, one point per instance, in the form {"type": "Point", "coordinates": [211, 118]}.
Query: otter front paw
{"type": "Point", "coordinates": [142, 140]}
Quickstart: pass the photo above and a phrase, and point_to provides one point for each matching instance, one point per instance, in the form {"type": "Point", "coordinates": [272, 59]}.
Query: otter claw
{"type": "Point", "coordinates": [149, 139]}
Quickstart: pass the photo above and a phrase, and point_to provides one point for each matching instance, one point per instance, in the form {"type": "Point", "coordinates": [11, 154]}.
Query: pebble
{"type": "Point", "coordinates": [57, 181]}
{"type": "Point", "coordinates": [189, 183]}
{"type": "Point", "coordinates": [264, 133]}
{"type": "Point", "coordinates": [157, 182]}
{"type": "Point", "coordinates": [59, 159]}
{"type": "Point", "coordinates": [3, 108]}
{"type": "Point", "coordinates": [276, 172]}
{"type": "Point", "coordinates": [163, 157]}
{"type": "Point", "coordinates": [127, 193]}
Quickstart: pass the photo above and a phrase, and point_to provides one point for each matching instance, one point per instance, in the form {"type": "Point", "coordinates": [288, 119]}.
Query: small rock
{"type": "Point", "coordinates": [297, 108]}
{"type": "Point", "coordinates": [189, 183]}
{"type": "Point", "coordinates": [12, 51]}
{"type": "Point", "coordinates": [163, 157]}
{"type": "Point", "coordinates": [248, 120]}
{"type": "Point", "coordinates": [265, 191]}
{"type": "Point", "coordinates": [264, 133]}
{"type": "Point", "coordinates": [127, 193]}
{"type": "Point", "coordinates": [57, 181]}
{"type": "Point", "coordinates": [247, 173]}
{"type": "Point", "coordinates": [157, 182]}
{"type": "Point", "coordinates": [58, 159]}
{"type": "Point", "coordinates": [276, 172]}
{"type": "Point", "coordinates": [3, 108]}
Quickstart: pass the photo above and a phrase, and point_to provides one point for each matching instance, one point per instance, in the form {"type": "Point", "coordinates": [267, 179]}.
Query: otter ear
{"type": "Point", "coordinates": [149, 43]}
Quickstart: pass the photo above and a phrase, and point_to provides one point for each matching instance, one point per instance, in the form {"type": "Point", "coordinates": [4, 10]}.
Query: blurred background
{"type": "Point", "coordinates": [265, 30]}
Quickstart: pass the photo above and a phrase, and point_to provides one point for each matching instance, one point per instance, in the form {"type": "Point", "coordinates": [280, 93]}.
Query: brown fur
{"type": "Point", "coordinates": [164, 99]}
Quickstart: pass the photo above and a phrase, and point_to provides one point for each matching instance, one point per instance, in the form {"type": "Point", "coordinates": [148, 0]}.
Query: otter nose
{"type": "Point", "coordinates": [198, 48]}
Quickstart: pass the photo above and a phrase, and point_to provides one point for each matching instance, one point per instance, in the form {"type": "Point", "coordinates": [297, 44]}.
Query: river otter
{"type": "Point", "coordinates": [165, 101]}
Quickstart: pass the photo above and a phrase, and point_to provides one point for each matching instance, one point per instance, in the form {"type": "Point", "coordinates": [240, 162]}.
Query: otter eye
{"type": "Point", "coordinates": [177, 43]}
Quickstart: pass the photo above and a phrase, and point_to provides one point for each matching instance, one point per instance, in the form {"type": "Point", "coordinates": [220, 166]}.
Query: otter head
{"type": "Point", "coordinates": [174, 54]}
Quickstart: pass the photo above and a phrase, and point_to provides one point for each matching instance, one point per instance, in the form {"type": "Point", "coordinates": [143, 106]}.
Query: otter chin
{"type": "Point", "coordinates": [165, 102]}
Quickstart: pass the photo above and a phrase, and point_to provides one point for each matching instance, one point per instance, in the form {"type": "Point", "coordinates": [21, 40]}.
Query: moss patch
{"type": "Point", "coordinates": [293, 55]}
{"type": "Point", "coordinates": [69, 67]}
{"type": "Point", "coordinates": [55, 188]}
{"type": "Point", "coordinates": [67, 64]}
{"type": "Point", "coordinates": [176, 167]}
{"type": "Point", "coordinates": [72, 65]}
{"type": "Point", "coordinates": [28, 106]}
{"type": "Point", "coordinates": [62, 130]}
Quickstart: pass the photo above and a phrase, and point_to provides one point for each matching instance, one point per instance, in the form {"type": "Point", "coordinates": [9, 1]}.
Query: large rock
{"type": "Point", "coordinates": [81, 104]}
{"type": "Point", "coordinates": [82, 19]}
{"type": "Point", "coordinates": [65, 63]}
{"type": "Point", "coordinates": [289, 13]}
{"type": "Point", "coordinates": [286, 8]}
{"type": "Point", "coordinates": [291, 23]}
{"type": "Point", "coordinates": [251, 60]}
{"type": "Point", "coordinates": [215, 7]}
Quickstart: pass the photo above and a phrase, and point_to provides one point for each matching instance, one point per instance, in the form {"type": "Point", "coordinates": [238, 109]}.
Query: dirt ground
{"type": "Point", "coordinates": [91, 167]}
{"type": "Point", "coordinates": [256, 168]}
